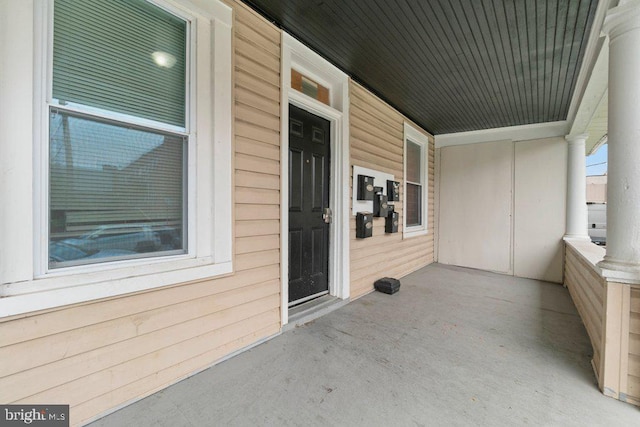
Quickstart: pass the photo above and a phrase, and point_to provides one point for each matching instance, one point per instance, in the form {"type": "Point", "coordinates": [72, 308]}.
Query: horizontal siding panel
{"type": "Point", "coordinates": [363, 99]}
{"type": "Point", "coordinates": [634, 366]}
{"type": "Point", "coordinates": [379, 150]}
{"type": "Point", "coordinates": [635, 300]}
{"type": "Point", "coordinates": [257, 149]}
{"type": "Point", "coordinates": [30, 382]}
{"type": "Point", "coordinates": [364, 120]}
{"type": "Point", "coordinates": [248, 18]}
{"type": "Point", "coordinates": [365, 250]}
{"type": "Point", "coordinates": [257, 212]}
{"type": "Point", "coordinates": [633, 386]}
{"type": "Point", "coordinates": [268, 41]}
{"type": "Point", "coordinates": [102, 382]}
{"type": "Point", "coordinates": [257, 228]}
{"type": "Point", "coordinates": [248, 97]}
{"type": "Point", "coordinates": [165, 377]}
{"type": "Point", "coordinates": [257, 71]}
{"type": "Point", "coordinates": [587, 298]}
{"type": "Point", "coordinates": [77, 341]}
{"type": "Point", "coordinates": [361, 268]}
{"type": "Point", "coordinates": [375, 161]}
{"type": "Point", "coordinates": [634, 344]}
{"type": "Point", "coordinates": [591, 314]}
{"type": "Point", "coordinates": [254, 132]}
{"type": "Point", "coordinates": [250, 114]}
{"type": "Point", "coordinates": [245, 245]}
{"type": "Point", "coordinates": [257, 196]}
{"type": "Point", "coordinates": [248, 49]}
{"type": "Point", "coordinates": [257, 180]}
{"type": "Point", "coordinates": [257, 259]}
{"type": "Point", "coordinates": [56, 322]}
{"type": "Point", "coordinates": [364, 135]}
{"type": "Point", "coordinates": [256, 85]}
{"type": "Point", "coordinates": [257, 164]}
{"type": "Point", "coordinates": [586, 288]}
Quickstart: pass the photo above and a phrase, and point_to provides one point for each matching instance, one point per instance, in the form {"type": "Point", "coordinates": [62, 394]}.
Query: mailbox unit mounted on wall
{"type": "Point", "coordinates": [365, 187]}
{"type": "Point", "coordinates": [391, 222]}
{"type": "Point", "coordinates": [380, 205]}
{"type": "Point", "coordinates": [393, 191]}
{"type": "Point", "coordinates": [364, 225]}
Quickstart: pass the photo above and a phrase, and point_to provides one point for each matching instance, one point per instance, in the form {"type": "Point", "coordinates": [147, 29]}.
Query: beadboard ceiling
{"type": "Point", "coordinates": [451, 65]}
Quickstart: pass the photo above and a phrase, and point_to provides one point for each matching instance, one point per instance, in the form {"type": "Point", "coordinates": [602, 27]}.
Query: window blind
{"type": "Point", "coordinates": [127, 56]}
{"type": "Point", "coordinates": [114, 190]}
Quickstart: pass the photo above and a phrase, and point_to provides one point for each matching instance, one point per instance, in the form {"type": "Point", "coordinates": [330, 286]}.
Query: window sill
{"type": "Point", "coordinates": [414, 232]}
{"type": "Point", "coordinates": [58, 290]}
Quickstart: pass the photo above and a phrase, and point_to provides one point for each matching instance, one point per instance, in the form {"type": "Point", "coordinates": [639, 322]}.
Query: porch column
{"type": "Point", "coordinates": [622, 261]}
{"type": "Point", "coordinates": [576, 227]}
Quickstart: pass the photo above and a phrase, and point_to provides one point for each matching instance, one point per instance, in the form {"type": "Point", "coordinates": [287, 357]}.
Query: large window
{"type": "Point", "coordinates": [416, 149]}
{"type": "Point", "coordinates": [118, 177]}
{"type": "Point", "coordinates": [118, 135]}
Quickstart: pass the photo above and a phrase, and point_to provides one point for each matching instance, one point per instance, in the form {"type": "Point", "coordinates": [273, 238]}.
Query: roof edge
{"type": "Point", "coordinates": [513, 133]}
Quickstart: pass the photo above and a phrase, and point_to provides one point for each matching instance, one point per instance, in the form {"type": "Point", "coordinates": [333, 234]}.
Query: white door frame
{"type": "Point", "coordinates": [296, 55]}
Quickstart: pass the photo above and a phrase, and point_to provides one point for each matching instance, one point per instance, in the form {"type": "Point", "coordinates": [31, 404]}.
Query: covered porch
{"type": "Point", "coordinates": [455, 346]}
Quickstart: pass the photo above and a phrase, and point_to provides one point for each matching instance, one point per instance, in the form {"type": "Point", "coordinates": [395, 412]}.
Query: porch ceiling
{"type": "Point", "coordinates": [451, 66]}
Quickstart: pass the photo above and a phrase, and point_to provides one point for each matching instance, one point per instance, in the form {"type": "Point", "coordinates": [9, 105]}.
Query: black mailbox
{"type": "Point", "coordinates": [365, 187]}
{"type": "Point", "coordinates": [393, 191]}
{"type": "Point", "coordinates": [391, 222]}
{"type": "Point", "coordinates": [364, 225]}
{"type": "Point", "coordinates": [380, 205]}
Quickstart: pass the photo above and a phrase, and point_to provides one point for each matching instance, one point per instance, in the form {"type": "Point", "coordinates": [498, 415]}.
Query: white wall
{"type": "Point", "coordinates": [476, 206]}
{"type": "Point", "coordinates": [540, 196]}
{"type": "Point", "coordinates": [502, 207]}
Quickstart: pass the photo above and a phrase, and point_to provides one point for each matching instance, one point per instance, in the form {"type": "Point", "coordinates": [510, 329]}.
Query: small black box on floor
{"type": "Point", "coordinates": [364, 225]}
{"type": "Point", "coordinates": [380, 205]}
{"type": "Point", "coordinates": [391, 222]}
{"type": "Point", "coordinates": [365, 187]}
{"type": "Point", "coordinates": [387, 285]}
{"type": "Point", "coordinates": [393, 191]}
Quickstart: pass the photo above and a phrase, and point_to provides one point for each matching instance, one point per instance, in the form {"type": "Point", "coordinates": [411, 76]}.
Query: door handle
{"type": "Point", "coordinates": [326, 216]}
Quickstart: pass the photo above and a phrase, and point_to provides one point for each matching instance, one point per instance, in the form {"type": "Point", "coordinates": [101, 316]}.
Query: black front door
{"type": "Point", "coordinates": [308, 198]}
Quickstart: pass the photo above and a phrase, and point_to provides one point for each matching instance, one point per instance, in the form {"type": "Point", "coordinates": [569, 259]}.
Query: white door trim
{"type": "Point", "coordinates": [296, 55]}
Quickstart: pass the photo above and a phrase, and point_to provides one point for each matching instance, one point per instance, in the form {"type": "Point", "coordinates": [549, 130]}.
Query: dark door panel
{"type": "Point", "coordinates": [309, 166]}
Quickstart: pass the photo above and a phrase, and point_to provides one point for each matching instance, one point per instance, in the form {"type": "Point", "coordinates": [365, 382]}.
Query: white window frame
{"type": "Point", "coordinates": [299, 57]}
{"type": "Point", "coordinates": [417, 137]}
{"type": "Point", "coordinates": [27, 286]}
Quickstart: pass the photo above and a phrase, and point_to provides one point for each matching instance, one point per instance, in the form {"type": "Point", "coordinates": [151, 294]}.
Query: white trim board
{"type": "Point", "coordinates": [296, 55]}
{"type": "Point", "coordinates": [513, 133]}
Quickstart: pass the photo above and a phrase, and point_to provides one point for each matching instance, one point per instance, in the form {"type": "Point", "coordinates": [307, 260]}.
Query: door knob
{"type": "Point", "coordinates": [326, 216]}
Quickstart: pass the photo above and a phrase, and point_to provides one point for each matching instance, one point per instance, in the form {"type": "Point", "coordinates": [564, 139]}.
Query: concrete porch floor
{"type": "Point", "coordinates": [454, 347]}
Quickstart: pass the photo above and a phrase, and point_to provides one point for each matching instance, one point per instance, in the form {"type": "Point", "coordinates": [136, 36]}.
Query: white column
{"type": "Point", "coordinates": [622, 261]}
{"type": "Point", "coordinates": [576, 227]}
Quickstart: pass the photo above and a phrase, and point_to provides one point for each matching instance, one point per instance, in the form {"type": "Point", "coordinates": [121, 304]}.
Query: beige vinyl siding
{"type": "Point", "coordinates": [99, 355]}
{"type": "Point", "coordinates": [587, 289]}
{"type": "Point", "coordinates": [633, 380]}
{"type": "Point", "coordinates": [377, 142]}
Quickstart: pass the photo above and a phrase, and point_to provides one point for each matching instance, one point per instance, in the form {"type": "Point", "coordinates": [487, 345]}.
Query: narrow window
{"type": "Point", "coordinates": [118, 133]}
{"type": "Point", "coordinates": [416, 149]}
{"type": "Point", "coordinates": [414, 184]}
